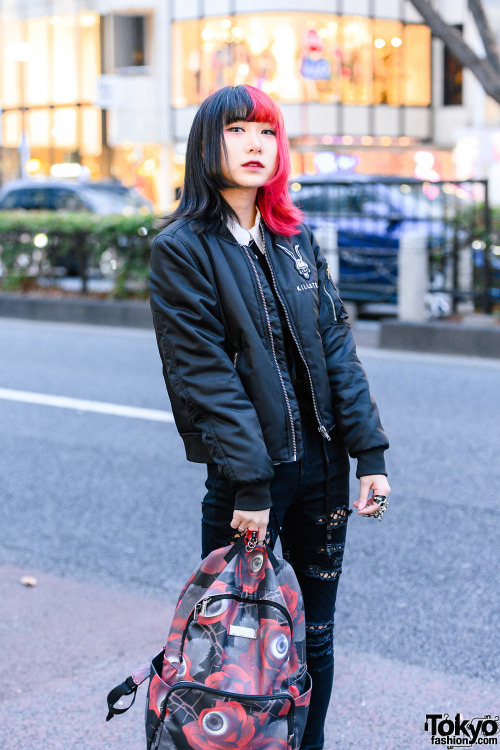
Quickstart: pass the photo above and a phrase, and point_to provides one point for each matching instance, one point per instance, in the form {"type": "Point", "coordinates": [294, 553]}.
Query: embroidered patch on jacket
{"type": "Point", "coordinates": [299, 262]}
{"type": "Point", "coordinates": [310, 285]}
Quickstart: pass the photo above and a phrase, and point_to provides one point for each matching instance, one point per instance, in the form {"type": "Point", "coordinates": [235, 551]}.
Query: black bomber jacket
{"type": "Point", "coordinates": [222, 347]}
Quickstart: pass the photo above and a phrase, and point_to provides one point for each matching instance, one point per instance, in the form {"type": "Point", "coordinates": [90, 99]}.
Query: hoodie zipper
{"type": "Point", "coordinates": [271, 337]}
{"type": "Point", "coordinates": [321, 428]}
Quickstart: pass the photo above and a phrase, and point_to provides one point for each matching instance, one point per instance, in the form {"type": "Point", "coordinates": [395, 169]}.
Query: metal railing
{"type": "Point", "coordinates": [360, 222]}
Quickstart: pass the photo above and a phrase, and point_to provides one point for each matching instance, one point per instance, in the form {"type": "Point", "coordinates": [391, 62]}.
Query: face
{"type": "Point", "coordinates": [252, 150]}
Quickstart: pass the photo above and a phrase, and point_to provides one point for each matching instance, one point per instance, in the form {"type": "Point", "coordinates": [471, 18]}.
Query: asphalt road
{"type": "Point", "coordinates": [108, 501]}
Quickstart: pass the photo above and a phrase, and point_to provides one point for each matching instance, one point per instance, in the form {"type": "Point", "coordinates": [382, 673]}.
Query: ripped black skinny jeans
{"type": "Point", "coordinates": [313, 533]}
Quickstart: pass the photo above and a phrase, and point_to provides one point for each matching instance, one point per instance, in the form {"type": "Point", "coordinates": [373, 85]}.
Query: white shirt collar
{"type": "Point", "coordinates": [244, 236]}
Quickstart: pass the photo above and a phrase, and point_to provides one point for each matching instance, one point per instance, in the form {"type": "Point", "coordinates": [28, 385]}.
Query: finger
{"type": "Point", "coordinates": [363, 497]}
{"type": "Point", "coordinates": [237, 522]}
{"type": "Point", "coordinates": [369, 509]}
{"type": "Point", "coordinates": [262, 533]}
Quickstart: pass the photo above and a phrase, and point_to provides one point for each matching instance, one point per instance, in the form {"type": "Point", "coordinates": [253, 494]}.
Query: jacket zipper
{"type": "Point", "coordinates": [321, 427]}
{"type": "Point", "coordinates": [330, 296]}
{"type": "Point", "coordinates": [183, 684]}
{"type": "Point", "coordinates": [289, 408]}
{"type": "Point", "coordinates": [216, 597]}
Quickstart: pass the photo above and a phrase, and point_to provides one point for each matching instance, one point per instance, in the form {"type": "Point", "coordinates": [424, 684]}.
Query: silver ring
{"type": "Point", "coordinates": [382, 502]}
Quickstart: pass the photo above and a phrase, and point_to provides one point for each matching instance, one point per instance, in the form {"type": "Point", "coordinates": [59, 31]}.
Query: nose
{"type": "Point", "coordinates": [254, 143]}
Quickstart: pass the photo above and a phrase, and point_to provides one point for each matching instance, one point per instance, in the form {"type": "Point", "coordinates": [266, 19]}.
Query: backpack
{"type": "Point", "coordinates": [232, 675]}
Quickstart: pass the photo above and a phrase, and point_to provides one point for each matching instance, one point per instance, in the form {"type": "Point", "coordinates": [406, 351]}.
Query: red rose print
{"type": "Point", "coordinates": [214, 563]}
{"type": "Point", "coordinates": [274, 643]}
{"type": "Point", "coordinates": [250, 662]}
{"type": "Point", "coordinates": [226, 726]}
{"type": "Point", "coordinates": [251, 568]}
{"type": "Point", "coordinates": [175, 636]}
{"type": "Point", "coordinates": [291, 598]}
{"type": "Point", "coordinates": [156, 694]}
{"type": "Point", "coordinates": [216, 611]}
{"type": "Point", "coordinates": [232, 678]}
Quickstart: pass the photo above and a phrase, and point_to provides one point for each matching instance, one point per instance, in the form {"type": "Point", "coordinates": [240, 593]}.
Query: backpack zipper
{"type": "Point", "coordinates": [194, 613]}
{"type": "Point", "coordinates": [271, 337]}
{"type": "Point", "coordinates": [216, 597]}
{"type": "Point", "coordinates": [183, 684]}
{"type": "Point", "coordinates": [321, 428]}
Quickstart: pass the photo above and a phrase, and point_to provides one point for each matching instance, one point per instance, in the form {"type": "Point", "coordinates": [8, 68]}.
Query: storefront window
{"type": "Point", "coordinates": [38, 126]}
{"type": "Point", "coordinates": [357, 62]}
{"type": "Point", "coordinates": [50, 66]}
{"type": "Point", "coordinates": [387, 62]}
{"type": "Point", "coordinates": [417, 66]}
{"type": "Point", "coordinates": [37, 68]}
{"type": "Point", "coordinates": [298, 57]}
{"type": "Point", "coordinates": [64, 60]}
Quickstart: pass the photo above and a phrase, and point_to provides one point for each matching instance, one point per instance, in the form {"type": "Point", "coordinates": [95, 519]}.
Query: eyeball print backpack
{"type": "Point", "coordinates": [232, 675]}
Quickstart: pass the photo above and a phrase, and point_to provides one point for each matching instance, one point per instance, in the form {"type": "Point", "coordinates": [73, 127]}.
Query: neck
{"type": "Point", "coordinates": [243, 202]}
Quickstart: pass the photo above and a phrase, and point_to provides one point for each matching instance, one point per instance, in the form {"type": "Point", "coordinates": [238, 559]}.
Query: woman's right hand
{"type": "Point", "coordinates": [253, 520]}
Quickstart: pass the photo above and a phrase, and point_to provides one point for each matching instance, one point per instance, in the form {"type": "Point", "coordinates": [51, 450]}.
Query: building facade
{"type": "Point", "coordinates": [113, 85]}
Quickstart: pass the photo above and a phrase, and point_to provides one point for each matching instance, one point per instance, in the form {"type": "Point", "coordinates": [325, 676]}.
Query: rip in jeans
{"type": "Point", "coordinates": [336, 518]}
{"type": "Point", "coordinates": [319, 640]}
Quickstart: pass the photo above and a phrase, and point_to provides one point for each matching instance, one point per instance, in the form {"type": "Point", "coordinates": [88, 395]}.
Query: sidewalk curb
{"type": "Point", "coordinates": [436, 337]}
{"type": "Point", "coordinates": [441, 338]}
{"type": "Point", "coordinates": [135, 314]}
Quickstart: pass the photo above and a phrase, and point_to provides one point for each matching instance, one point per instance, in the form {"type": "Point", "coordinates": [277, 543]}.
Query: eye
{"type": "Point", "coordinates": [269, 131]}
{"type": "Point", "coordinates": [257, 562]}
{"type": "Point", "coordinates": [216, 608]}
{"type": "Point", "coordinates": [215, 723]}
{"type": "Point", "coordinates": [279, 647]}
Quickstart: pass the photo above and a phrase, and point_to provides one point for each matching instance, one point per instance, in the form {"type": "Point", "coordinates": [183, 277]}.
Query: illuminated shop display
{"type": "Point", "coordinates": [47, 83]}
{"type": "Point", "coordinates": [302, 57]}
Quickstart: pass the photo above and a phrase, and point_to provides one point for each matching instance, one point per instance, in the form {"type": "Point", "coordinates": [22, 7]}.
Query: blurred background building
{"type": "Point", "coordinates": [110, 87]}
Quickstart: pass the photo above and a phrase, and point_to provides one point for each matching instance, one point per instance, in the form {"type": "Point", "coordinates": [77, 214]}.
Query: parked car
{"type": "Point", "coordinates": [364, 217]}
{"type": "Point", "coordinates": [47, 194]}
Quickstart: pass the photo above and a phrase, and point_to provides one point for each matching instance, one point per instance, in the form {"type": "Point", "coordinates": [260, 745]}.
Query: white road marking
{"type": "Point", "coordinates": [100, 407]}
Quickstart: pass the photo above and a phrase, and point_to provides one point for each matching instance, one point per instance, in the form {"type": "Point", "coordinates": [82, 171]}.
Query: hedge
{"type": "Point", "coordinates": [39, 247]}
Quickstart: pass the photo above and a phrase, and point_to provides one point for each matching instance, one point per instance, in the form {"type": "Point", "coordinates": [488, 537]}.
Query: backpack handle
{"type": "Point", "coordinates": [126, 688]}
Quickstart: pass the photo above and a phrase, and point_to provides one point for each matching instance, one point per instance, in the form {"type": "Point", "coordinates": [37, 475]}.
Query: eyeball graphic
{"type": "Point", "coordinates": [279, 647]}
{"type": "Point", "coordinates": [257, 562]}
{"type": "Point", "coordinates": [213, 609]}
{"type": "Point", "coordinates": [215, 723]}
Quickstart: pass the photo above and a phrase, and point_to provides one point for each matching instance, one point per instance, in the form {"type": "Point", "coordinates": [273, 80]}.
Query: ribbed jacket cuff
{"type": "Point", "coordinates": [371, 462]}
{"type": "Point", "coordinates": [253, 497]}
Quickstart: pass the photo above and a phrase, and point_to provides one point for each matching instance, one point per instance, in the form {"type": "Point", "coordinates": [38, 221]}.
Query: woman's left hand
{"type": "Point", "coordinates": [379, 485]}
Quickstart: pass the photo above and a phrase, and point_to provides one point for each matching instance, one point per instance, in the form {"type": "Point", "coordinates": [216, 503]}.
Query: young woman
{"type": "Point", "coordinates": [260, 364]}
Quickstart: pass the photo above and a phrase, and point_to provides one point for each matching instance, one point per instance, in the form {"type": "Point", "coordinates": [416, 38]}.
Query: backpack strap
{"type": "Point", "coordinates": [126, 688]}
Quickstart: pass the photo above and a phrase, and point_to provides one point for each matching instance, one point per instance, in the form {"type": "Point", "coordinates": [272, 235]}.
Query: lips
{"type": "Point", "coordinates": [253, 164]}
